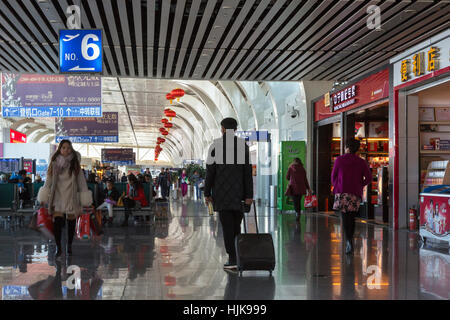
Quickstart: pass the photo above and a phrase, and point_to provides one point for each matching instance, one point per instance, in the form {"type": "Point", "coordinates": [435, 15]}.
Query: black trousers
{"type": "Point", "coordinates": [348, 224]}
{"type": "Point", "coordinates": [231, 226]}
{"type": "Point", "coordinates": [297, 199]}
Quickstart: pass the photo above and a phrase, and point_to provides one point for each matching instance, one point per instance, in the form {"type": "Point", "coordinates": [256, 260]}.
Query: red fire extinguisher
{"type": "Point", "coordinates": [412, 218]}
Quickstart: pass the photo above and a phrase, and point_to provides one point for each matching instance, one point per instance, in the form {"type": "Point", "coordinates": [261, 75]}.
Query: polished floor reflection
{"type": "Point", "coordinates": [182, 258]}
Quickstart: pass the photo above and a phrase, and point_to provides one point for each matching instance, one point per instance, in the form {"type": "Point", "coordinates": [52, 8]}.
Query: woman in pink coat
{"type": "Point", "coordinates": [298, 184]}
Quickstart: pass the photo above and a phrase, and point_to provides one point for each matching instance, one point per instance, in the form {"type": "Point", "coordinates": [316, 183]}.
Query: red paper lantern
{"type": "Point", "coordinates": [170, 114]}
{"type": "Point", "coordinates": [165, 133]}
{"type": "Point", "coordinates": [168, 125]}
{"type": "Point", "coordinates": [177, 93]}
{"type": "Point", "coordinates": [164, 120]}
{"type": "Point", "coordinates": [169, 97]}
{"type": "Point", "coordinates": [162, 130]}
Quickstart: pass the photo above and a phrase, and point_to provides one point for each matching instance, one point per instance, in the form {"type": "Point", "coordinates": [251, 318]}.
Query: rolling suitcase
{"type": "Point", "coordinates": [254, 251]}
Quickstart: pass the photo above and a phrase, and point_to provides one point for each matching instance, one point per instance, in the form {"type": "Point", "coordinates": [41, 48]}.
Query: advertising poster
{"type": "Point", "coordinates": [378, 130]}
{"type": "Point", "coordinates": [89, 130]}
{"type": "Point", "coordinates": [34, 95]}
{"type": "Point", "coordinates": [289, 151]}
{"type": "Point", "coordinates": [434, 216]}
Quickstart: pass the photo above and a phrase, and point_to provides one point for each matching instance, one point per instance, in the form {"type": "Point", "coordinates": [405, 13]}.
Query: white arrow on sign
{"type": "Point", "coordinates": [77, 68]}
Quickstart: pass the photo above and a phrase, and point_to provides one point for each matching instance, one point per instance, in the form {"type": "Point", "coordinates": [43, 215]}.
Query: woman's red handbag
{"type": "Point", "coordinates": [310, 201]}
{"type": "Point", "coordinates": [44, 223]}
{"type": "Point", "coordinates": [83, 228]}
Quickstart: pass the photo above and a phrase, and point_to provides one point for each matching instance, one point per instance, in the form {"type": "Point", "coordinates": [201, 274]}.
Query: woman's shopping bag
{"type": "Point", "coordinates": [83, 227]}
{"type": "Point", "coordinates": [310, 201]}
{"type": "Point", "coordinates": [44, 223]}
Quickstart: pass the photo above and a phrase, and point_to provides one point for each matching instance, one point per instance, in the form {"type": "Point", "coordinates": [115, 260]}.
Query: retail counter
{"type": "Point", "coordinates": [435, 212]}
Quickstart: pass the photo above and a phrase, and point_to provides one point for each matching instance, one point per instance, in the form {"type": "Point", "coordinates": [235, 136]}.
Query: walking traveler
{"type": "Point", "coordinates": [228, 183]}
{"type": "Point", "coordinates": [184, 183]}
{"type": "Point", "coordinates": [195, 180]}
{"type": "Point", "coordinates": [135, 193]}
{"type": "Point", "coordinates": [164, 182]}
{"type": "Point", "coordinates": [111, 195]}
{"type": "Point", "coordinates": [350, 175]}
{"type": "Point", "coordinates": [124, 178]}
{"type": "Point", "coordinates": [298, 185]}
{"type": "Point", "coordinates": [65, 191]}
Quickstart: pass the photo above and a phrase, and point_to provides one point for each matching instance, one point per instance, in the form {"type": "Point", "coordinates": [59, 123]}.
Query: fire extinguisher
{"type": "Point", "coordinates": [412, 218]}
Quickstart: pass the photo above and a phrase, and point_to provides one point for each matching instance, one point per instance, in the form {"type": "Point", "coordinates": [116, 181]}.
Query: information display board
{"type": "Point", "coordinates": [37, 95]}
{"type": "Point", "coordinates": [89, 130]}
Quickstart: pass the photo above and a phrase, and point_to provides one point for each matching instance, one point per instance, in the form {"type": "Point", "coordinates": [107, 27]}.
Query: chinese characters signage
{"type": "Point", "coordinates": [33, 95]}
{"type": "Point", "coordinates": [17, 137]}
{"type": "Point", "coordinates": [344, 98]}
{"type": "Point", "coordinates": [89, 130]}
{"type": "Point", "coordinates": [119, 156]}
{"type": "Point", "coordinates": [422, 60]}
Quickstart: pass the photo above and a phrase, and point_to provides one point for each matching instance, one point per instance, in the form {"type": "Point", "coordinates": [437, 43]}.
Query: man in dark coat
{"type": "Point", "coordinates": [164, 182]}
{"type": "Point", "coordinates": [228, 183]}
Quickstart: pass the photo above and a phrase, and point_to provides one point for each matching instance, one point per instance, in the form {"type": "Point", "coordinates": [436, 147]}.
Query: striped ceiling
{"type": "Point", "coordinates": [222, 39]}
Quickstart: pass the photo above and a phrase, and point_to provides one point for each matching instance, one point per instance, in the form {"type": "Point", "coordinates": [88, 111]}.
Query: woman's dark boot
{"type": "Point", "coordinates": [57, 229]}
{"type": "Point", "coordinates": [70, 234]}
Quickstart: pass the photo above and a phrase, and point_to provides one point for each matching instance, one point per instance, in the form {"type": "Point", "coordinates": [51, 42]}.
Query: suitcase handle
{"type": "Point", "coordinates": [256, 220]}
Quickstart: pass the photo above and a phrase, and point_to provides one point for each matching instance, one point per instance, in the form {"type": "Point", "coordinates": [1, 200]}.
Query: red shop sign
{"type": "Point", "coordinates": [365, 91]}
{"type": "Point", "coordinates": [17, 137]}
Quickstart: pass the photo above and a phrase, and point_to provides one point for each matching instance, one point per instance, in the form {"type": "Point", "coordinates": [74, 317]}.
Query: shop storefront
{"type": "Point", "coordinates": [420, 151]}
{"type": "Point", "coordinates": [359, 109]}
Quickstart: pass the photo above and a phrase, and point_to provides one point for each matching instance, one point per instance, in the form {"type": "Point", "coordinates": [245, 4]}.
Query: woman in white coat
{"type": "Point", "coordinates": [65, 191]}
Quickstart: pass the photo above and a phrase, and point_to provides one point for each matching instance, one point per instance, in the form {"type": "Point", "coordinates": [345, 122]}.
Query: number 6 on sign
{"type": "Point", "coordinates": [80, 51]}
{"type": "Point", "coordinates": [85, 47]}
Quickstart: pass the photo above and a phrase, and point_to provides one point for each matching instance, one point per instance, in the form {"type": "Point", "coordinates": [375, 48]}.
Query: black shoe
{"type": "Point", "coordinates": [230, 265]}
{"type": "Point", "coordinates": [349, 247]}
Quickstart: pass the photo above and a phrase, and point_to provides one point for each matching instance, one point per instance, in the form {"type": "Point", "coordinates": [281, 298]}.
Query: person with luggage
{"type": "Point", "coordinates": [65, 191]}
{"type": "Point", "coordinates": [229, 183]}
{"type": "Point", "coordinates": [298, 185]}
{"type": "Point", "coordinates": [135, 193]}
{"type": "Point", "coordinates": [349, 176]}
{"type": "Point", "coordinates": [111, 195]}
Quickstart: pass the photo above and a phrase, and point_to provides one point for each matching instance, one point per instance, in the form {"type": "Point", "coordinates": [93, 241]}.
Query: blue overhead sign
{"type": "Point", "coordinates": [52, 112]}
{"type": "Point", "coordinates": [260, 136]}
{"type": "Point", "coordinates": [80, 51]}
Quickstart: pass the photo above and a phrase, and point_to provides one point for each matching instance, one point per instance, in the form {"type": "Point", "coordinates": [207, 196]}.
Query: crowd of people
{"type": "Point", "coordinates": [66, 189]}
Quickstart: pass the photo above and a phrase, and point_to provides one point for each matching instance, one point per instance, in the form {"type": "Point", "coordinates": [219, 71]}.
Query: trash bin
{"type": "Point", "coordinates": [273, 196]}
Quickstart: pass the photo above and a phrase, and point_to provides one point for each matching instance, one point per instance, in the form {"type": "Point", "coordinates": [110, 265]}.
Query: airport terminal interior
{"type": "Point", "coordinates": [110, 110]}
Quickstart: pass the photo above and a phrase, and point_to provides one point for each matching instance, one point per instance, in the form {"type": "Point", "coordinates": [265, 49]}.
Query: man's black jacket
{"type": "Point", "coordinates": [229, 182]}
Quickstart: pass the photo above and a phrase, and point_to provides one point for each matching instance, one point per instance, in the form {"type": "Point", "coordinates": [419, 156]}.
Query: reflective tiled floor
{"type": "Point", "coordinates": [182, 258]}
